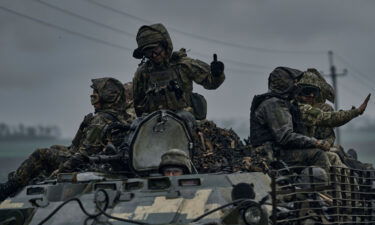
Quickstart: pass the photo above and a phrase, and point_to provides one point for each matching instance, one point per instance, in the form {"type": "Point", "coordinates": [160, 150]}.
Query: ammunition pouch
{"type": "Point", "coordinates": [165, 91]}
{"type": "Point", "coordinates": [199, 105]}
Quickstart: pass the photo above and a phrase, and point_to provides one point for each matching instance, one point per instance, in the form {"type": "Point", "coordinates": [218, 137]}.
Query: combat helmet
{"type": "Point", "coordinates": [110, 93]}
{"type": "Point", "coordinates": [327, 91]}
{"type": "Point", "coordinates": [309, 83]}
{"type": "Point", "coordinates": [151, 36]}
{"type": "Point", "coordinates": [282, 80]}
{"type": "Point", "coordinates": [175, 158]}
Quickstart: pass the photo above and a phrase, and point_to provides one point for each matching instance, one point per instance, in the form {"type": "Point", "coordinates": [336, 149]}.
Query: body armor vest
{"type": "Point", "coordinates": [165, 91]}
{"type": "Point", "coordinates": [259, 133]}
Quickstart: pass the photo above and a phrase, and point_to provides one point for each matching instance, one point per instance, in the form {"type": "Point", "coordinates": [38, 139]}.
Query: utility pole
{"type": "Point", "coordinates": [334, 76]}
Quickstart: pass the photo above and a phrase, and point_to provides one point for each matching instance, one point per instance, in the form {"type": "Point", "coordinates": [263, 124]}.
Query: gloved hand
{"type": "Point", "coordinates": [74, 162]}
{"type": "Point", "coordinates": [322, 144]}
{"type": "Point", "coordinates": [217, 67]}
{"type": "Point", "coordinates": [363, 106]}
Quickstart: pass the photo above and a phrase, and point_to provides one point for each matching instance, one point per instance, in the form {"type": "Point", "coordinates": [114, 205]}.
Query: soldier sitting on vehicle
{"type": "Point", "coordinates": [175, 162]}
{"type": "Point", "coordinates": [165, 79]}
{"type": "Point", "coordinates": [327, 93]}
{"type": "Point", "coordinates": [308, 95]}
{"type": "Point", "coordinates": [326, 132]}
{"type": "Point", "coordinates": [276, 127]}
{"type": "Point", "coordinates": [108, 99]}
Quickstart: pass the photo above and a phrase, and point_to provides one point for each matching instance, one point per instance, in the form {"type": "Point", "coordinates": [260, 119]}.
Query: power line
{"type": "Point", "coordinates": [334, 75]}
{"type": "Point", "coordinates": [196, 36]}
{"type": "Point", "coordinates": [39, 21]}
{"type": "Point", "coordinates": [356, 91]}
{"type": "Point", "coordinates": [351, 90]}
{"type": "Point", "coordinates": [345, 61]}
{"type": "Point", "coordinates": [234, 61]}
{"type": "Point", "coordinates": [360, 75]}
{"type": "Point", "coordinates": [36, 20]}
{"type": "Point", "coordinates": [117, 30]}
{"type": "Point", "coordinates": [70, 13]}
{"type": "Point", "coordinates": [118, 11]}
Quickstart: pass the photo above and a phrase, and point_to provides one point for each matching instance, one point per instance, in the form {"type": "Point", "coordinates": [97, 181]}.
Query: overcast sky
{"type": "Point", "coordinates": [50, 49]}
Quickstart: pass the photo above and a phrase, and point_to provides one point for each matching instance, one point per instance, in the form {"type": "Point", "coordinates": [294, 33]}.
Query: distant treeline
{"type": "Point", "coordinates": [23, 132]}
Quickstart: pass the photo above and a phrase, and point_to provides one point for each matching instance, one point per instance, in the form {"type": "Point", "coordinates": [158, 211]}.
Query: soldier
{"type": "Point", "coordinates": [276, 126]}
{"type": "Point", "coordinates": [164, 79]}
{"type": "Point", "coordinates": [175, 162]}
{"type": "Point", "coordinates": [317, 116]}
{"type": "Point", "coordinates": [108, 99]}
{"type": "Point", "coordinates": [312, 116]}
{"type": "Point", "coordinates": [326, 93]}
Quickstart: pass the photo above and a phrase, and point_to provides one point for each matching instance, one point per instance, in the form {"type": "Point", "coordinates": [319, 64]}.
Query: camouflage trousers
{"type": "Point", "coordinates": [305, 157]}
{"type": "Point", "coordinates": [42, 161]}
{"type": "Point", "coordinates": [335, 160]}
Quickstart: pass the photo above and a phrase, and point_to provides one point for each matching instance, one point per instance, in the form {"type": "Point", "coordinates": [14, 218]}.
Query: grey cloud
{"type": "Point", "coordinates": [48, 71]}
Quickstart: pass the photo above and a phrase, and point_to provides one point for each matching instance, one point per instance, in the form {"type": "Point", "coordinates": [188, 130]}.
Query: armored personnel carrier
{"type": "Point", "coordinates": [142, 196]}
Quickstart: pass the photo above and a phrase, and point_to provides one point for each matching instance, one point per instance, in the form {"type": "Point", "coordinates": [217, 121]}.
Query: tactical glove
{"type": "Point", "coordinates": [363, 106]}
{"type": "Point", "coordinates": [322, 144]}
{"type": "Point", "coordinates": [217, 67]}
{"type": "Point", "coordinates": [74, 162]}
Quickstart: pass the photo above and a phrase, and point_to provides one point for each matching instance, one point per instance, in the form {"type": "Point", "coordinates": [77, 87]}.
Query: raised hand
{"type": "Point", "coordinates": [217, 67]}
{"type": "Point", "coordinates": [363, 106]}
{"type": "Point", "coordinates": [324, 145]}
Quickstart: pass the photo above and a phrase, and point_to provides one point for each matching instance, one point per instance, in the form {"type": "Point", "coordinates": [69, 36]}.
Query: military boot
{"type": "Point", "coordinates": [8, 189]}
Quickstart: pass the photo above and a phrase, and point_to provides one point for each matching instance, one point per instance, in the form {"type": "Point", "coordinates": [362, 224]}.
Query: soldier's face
{"type": "Point", "coordinates": [156, 54]}
{"type": "Point", "coordinates": [308, 94]}
{"type": "Point", "coordinates": [172, 172]}
{"type": "Point", "coordinates": [94, 97]}
{"type": "Point", "coordinates": [309, 99]}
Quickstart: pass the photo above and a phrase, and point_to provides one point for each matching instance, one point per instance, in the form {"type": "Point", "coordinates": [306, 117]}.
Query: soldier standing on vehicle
{"type": "Point", "coordinates": [175, 162]}
{"type": "Point", "coordinates": [94, 133]}
{"type": "Point", "coordinates": [276, 126]}
{"type": "Point", "coordinates": [164, 79]}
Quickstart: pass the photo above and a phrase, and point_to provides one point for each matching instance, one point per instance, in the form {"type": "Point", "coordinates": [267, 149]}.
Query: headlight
{"type": "Point", "coordinates": [12, 217]}
{"type": "Point", "coordinates": [252, 215]}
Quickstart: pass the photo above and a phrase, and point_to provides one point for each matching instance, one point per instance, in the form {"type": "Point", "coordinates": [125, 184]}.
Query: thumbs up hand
{"type": "Point", "coordinates": [217, 67]}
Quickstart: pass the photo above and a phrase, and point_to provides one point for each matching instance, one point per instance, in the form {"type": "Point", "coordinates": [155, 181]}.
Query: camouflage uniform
{"type": "Point", "coordinates": [90, 139]}
{"type": "Point", "coordinates": [276, 126]}
{"type": "Point", "coordinates": [325, 133]}
{"type": "Point", "coordinates": [320, 118]}
{"type": "Point", "coordinates": [313, 117]}
{"type": "Point", "coordinates": [168, 85]}
{"type": "Point", "coordinates": [129, 100]}
{"type": "Point", "coordinates": [326, 93]}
